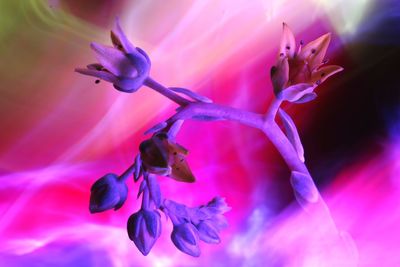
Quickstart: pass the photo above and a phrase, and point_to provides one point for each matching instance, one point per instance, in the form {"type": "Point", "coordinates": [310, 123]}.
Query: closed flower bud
{"type": "Point", "coordinates": [186, 238]}
{"type": "Point", "coordinates": [107, 193]}
{"type": "Point", "coordinates": [144, 228]}
{"type": "Point", "coordinates": [208, 232]}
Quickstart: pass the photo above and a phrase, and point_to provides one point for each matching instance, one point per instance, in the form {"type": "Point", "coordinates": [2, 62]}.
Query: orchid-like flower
{"type": "Point", "coordinates": [162, 156]}
{"type": "Point", "coordinates": [297, 73]}
{"type": "Point", "coordinates": [124, 65]}
{"type": "Point", "coordinates": [107, 193]}
{"type": "Point", "coordinates": [144, 228]}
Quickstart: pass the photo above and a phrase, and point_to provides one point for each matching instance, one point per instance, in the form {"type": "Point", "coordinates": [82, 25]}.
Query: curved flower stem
{"type": "Point", "coordinates": [146, 199]}
{"type": "Point", "coordinates": [265, 123]}
{"type": "Point", "coordinates": [166, 92]}
{"type": "Point", "coordinates": [127, 173]}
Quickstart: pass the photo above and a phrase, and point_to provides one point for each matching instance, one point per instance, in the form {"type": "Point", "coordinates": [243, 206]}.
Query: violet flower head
{"type": "Point", "coordinates": [186, 238]}
{"type": "Point", "coordinates": [194, 224]}
{"type": "Point", "coordinates": [144, 228]}
{"type": "Point", "coordinates": [297, 73]}
{"type": "Point", "coordinates": [107, 193]}
{"type": "Point", "coordinates": [124, 65]}
{"type": "Point", "coordinates": [162, 156]}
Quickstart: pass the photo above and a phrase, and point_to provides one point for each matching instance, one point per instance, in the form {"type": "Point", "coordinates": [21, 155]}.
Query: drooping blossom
{"type": "Point", "coordinates": [107, 193]}
{"type": "Point", "coordinates": [124, 65]}
{"type": "Point", "coordinates": [297, 73]}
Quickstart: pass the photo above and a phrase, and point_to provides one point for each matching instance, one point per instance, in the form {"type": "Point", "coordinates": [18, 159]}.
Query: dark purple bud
{"type": "Point", "coordinates": [144, 228]}
{"type": "Point", "coordinates": [186, 238]}
{"type": "Point", "coordinates": [208, 232]}
{"type": "Point", "coordinates": [304, 187]}
{"type": "Point", "coordinates": [107, 193]}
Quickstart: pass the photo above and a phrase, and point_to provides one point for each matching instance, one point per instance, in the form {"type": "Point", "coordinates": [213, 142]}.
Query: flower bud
{"type": "Point", "coordinates": [107, 193]}
{"type": "Point", "coordinates": [144, 228]}
{"type": "Point", "coordinates": [208, 232]}
{"type": "Point", "coordinates": [186, 238]}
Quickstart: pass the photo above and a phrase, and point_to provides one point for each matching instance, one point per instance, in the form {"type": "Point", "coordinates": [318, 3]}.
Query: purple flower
{"type": "Point", "coordinates": [144, 228]}
{"type": "Point", "coordinates": [124, 65]}
{"type": "Point", "coordinates": [297, 73]}
{"type": "Point", "coordinates": [186, 238]}
{"type": "Point", "coordinates": [107, 193]}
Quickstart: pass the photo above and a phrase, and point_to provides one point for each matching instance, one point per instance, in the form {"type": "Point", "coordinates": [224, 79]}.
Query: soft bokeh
{"type": "Point", "coordinates": [60, 131]}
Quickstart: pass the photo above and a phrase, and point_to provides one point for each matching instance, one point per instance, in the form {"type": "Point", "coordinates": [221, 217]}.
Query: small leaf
{"type": "Point", "coordinates": [138, 168]}
{"type": "Point", "coordinates": [304, 187]}
{"type": "Point", "coordinates": [292, 134]}
{"type": "Point", "coordinates": [143, 186]}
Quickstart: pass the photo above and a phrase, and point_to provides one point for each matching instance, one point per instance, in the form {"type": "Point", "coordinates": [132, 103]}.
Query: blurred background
{"type": "Point", "coordinates": [60, 131]}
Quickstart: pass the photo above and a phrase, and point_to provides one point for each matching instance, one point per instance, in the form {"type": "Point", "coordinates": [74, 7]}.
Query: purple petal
{"type": "Point", "coordinates": [280, 75]}
{"type": "Point", "coordinates": [104, 75]}
{"type": "Point", "coordinates": [292, 134]}
{"type": "Point", "coordinates": [306, 98]}
{"type": "Point", "coordinates": [295, 92]}
{"type": "Point", "coordinates": [288, 42]}
{"type": "Point", "coordinates": [304, 186]}
{"type": "Point", "coordinates": [123, 193]}
{"type": "Point", "coordinates": [153, 223]}
{"type": "Point", "coordinates": [219, 204]}
{"type": "Point", "coordinates": [119, 33]}
{"type": "Point", "coordinates": [114, 60]}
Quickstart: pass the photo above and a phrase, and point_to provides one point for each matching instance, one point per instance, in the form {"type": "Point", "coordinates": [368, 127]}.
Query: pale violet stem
{"type": "Point", "coordinates": [264, 122]}
{"type": "Point", "coordinates": [166, 92]}
{"type": "Point", "coordinates": [146, 199]}
{"type": "Point", "coordinates": [273, 109]}
{"type": "Point", "coordinates": [127, 173]}
{"type": "Point", "coordinates": [214, 110]}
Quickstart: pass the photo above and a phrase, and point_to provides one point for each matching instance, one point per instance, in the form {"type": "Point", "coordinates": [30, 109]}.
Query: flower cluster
{"type": "Point", "coordinates": [194, 224]}
{"type": "Point", "coordinates": [294, 77]}
{"type": "Point", "coordinates": [297, 73]}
